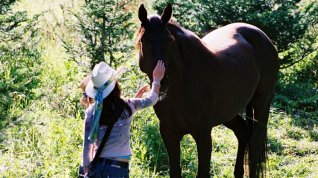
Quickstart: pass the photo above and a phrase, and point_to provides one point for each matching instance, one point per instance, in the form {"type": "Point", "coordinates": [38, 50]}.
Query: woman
{"type": "Point", "coordinates": [108, 107]}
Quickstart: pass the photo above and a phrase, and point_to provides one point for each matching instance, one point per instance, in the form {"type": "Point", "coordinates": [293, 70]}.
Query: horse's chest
{"type": "Point", "coordinates": [186, 112]}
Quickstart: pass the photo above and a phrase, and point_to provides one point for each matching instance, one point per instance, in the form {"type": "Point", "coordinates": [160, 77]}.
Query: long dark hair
{"type": "Point", "coordinates": [113, 107]}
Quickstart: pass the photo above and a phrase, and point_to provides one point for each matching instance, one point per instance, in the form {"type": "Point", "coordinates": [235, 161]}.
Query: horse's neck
{"type": "Point", "coordinates": [190, 46]}
{"type": "Point", "coordinates": [192, 58]}
{"type": "Point", "coordinates": [191, 50]}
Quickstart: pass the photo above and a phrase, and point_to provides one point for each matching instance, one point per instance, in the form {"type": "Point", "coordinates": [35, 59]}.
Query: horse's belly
{"type": "Point", "coordinates": [239, 72]}
{"type": "Point", "coordinates": [239, 78]}
{"type": "Point", "coordinates": [229, 103]}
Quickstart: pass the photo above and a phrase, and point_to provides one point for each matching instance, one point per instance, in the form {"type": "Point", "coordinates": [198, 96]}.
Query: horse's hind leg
{"type": "Point", "coordinates": [240, 128]}
{"type": "Point", "coordinates": [202, 138]}
{"type": "Point", "coordinates": [260, 102]}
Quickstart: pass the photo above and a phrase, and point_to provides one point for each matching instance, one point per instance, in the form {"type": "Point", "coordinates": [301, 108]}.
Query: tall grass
{"type": "Point", "coordinates": [45, 138]}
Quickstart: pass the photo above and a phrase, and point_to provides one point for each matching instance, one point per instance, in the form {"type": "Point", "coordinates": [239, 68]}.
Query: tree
{"type": "Point", "coordinates": [103, 27]}
{"type": "Point", "coordinates": [287, 23]}
{"type": "Point", "coordinates": [19, 59]}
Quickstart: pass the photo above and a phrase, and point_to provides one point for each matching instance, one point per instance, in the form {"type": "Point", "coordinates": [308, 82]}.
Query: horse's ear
{"type": "Point", "coordinates": [166, 16]}
{"type": "Point", "coordinates": [142, 15]}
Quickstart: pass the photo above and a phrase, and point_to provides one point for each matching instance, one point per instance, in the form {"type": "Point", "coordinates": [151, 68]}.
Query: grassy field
{"type": "Point", "coordinates": [44, 138]}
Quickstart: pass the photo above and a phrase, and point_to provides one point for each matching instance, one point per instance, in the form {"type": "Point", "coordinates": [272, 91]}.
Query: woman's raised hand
{"type": "Point", "coordinates": [159, 71]}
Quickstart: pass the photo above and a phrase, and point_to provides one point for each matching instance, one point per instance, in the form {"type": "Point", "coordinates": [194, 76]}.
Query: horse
{"type": "Point", "coordinates": [209, 82]}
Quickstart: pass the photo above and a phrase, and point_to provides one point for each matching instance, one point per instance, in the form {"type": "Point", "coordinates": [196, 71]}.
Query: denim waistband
{"type": "Point", "coordinates": [113, 163]}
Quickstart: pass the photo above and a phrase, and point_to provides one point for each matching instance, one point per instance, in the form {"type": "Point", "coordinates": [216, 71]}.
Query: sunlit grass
{"type": "Point", "coordinates": [45, 138]}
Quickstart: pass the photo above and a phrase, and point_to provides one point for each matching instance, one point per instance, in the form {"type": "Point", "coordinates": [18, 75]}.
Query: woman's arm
{"type": "Point", "coordinates": [87, 146]}
{"type": "Point", "coordinates": [152, 97]}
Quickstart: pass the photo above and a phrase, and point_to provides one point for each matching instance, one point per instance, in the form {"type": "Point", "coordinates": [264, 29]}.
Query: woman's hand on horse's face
{"type": "Point", "coordinates": [159, 71]}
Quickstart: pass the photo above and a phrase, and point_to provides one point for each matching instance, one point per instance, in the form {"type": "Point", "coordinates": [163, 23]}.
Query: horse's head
{"type": "Point", "coordinates": [153, 39]}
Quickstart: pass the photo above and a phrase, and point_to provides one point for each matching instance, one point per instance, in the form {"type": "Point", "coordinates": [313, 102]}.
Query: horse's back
{"type": "Point", "coordinates": [239, 39]}
{"type": "Point", "coordinates": [222, 38]}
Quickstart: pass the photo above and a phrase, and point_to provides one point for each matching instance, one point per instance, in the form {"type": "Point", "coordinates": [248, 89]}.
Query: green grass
{"type": "Point", "coordinates": [44, 135]}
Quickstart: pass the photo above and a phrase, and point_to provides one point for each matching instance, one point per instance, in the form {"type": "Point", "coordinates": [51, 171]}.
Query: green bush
{"type": "Point", "coordinates": [42, 121]}
{"type": "Point", "coordinates": [287, 23]}
{"type": "Point", "coordinates": [297, 89]}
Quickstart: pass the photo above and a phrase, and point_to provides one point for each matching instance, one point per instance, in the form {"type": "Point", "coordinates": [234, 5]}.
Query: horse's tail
{"type": "Point", "coordinates": [257, 111]}
{"type": "Point", "coordinates": [249, 123]}
{"type": "Point", "coordinates": [261, 166]}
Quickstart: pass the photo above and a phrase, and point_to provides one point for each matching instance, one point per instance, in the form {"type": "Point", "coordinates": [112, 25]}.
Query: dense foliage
{"type": "Point", "coordinates": [285, 22]}
{"type": "Point", "coordinates": [19, 60]}
{"type": "Point", "coordinates": [103, 27]}
{"type": "Point", "coordinates": [44, 57]}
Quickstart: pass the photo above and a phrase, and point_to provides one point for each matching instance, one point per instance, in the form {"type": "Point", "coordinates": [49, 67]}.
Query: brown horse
{"type": "Point", "coordinates": [208, 82]}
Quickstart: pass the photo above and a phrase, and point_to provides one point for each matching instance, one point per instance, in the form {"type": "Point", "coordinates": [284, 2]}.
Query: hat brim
{"type": "Point", "coordinates": [91, 91]}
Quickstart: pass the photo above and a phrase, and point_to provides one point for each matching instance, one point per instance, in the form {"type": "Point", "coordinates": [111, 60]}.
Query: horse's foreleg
{"type": "Point", "coordinates": [172, 144]}
{"type": "Point", "coordinates": [204, 147]}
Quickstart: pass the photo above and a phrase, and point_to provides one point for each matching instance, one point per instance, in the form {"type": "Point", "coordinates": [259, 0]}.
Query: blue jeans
{"type": "Point", "coordinates": [107, 171]}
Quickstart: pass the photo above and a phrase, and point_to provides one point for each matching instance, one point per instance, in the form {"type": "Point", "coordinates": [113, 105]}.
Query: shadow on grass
{"type": "Point", "coordinates": [275, 146]}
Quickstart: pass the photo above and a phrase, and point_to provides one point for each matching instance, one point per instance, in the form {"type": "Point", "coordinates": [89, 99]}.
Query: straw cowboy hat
{"type": "Point", "coordinates": [104, 78]}
{"type": "Point", "coordinates": [85, 81]}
